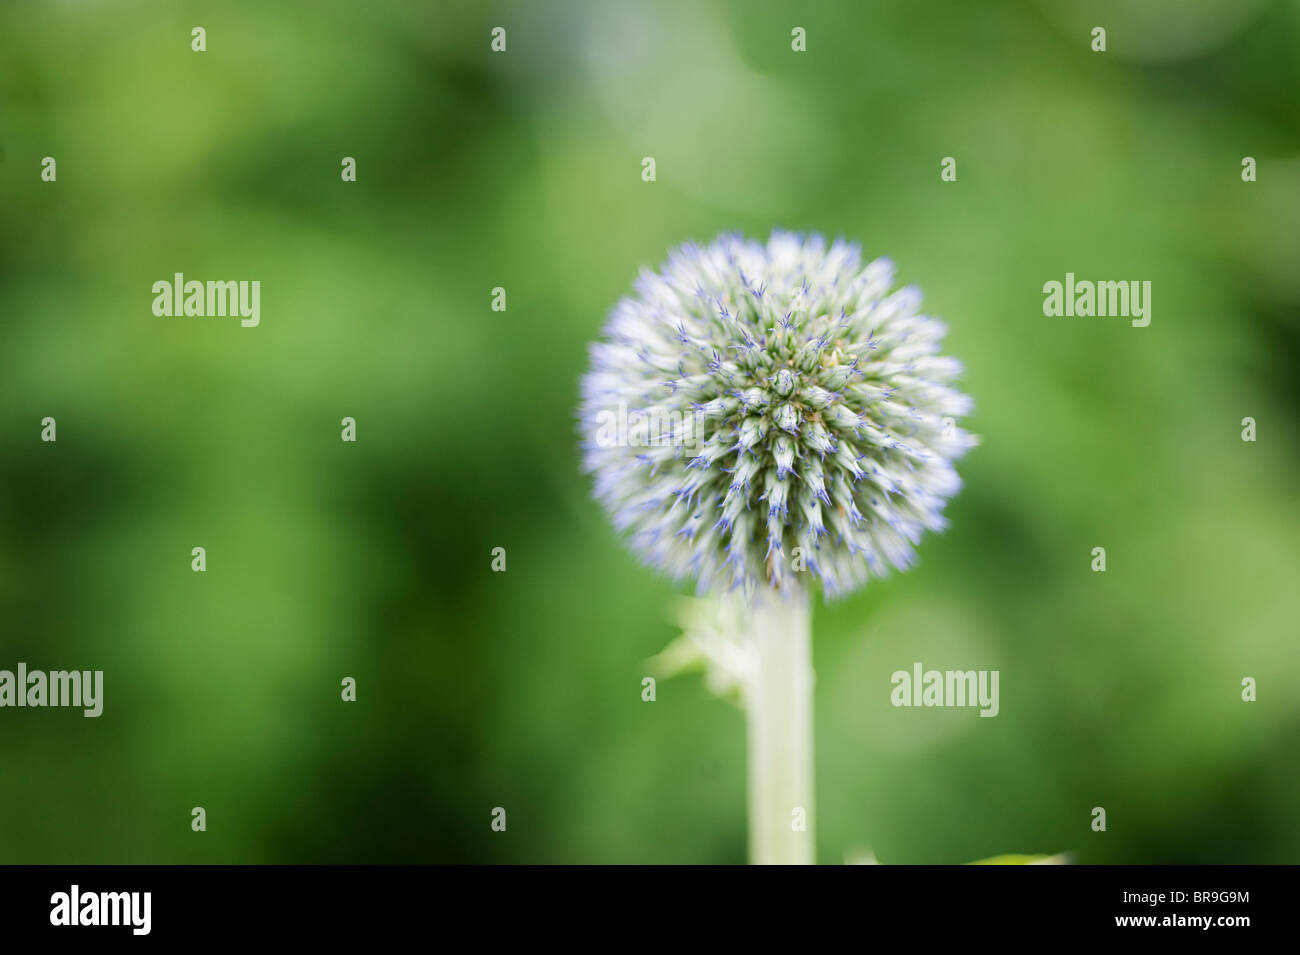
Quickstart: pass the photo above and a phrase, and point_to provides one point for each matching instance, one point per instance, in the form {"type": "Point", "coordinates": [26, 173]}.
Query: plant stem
{"type": "Point", "coordinates": [778, 706]}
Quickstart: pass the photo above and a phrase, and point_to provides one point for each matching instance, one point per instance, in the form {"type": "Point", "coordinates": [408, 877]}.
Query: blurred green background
{"type": "Point", "coordinates": [522, 170]}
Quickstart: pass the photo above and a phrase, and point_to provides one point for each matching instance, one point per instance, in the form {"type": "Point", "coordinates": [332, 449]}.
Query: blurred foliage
{"type": "Point", "coordinates": [522, 170]}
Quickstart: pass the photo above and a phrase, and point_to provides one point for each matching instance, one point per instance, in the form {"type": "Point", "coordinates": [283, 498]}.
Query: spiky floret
{"type": "Point", "coordinates": [758, 410]}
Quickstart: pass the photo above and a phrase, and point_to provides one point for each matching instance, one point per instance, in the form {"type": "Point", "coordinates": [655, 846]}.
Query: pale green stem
{"type": "Point", "coordinates": [778, 705]}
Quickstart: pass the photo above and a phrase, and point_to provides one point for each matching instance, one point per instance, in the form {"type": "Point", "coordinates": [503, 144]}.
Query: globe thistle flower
{"type": "Point", "coordinates": [754, 410]}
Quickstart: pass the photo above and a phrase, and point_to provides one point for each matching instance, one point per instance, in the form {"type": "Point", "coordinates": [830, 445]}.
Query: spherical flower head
{"type": "Point", "coordinates": [763, 415]}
